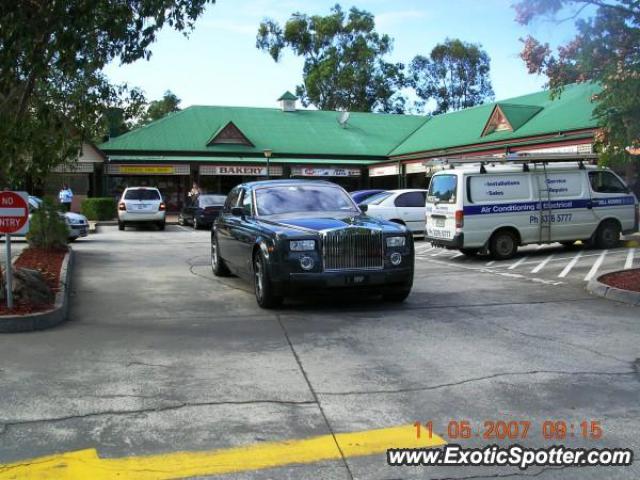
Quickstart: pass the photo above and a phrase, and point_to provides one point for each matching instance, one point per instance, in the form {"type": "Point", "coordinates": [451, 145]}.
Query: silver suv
{"type": "Point", "coordinates": [141, 205]}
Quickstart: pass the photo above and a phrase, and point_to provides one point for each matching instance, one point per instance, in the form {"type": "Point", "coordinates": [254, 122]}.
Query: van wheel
{"type": "Point", "coordinates": [470, 252]}
{"type": "Point", "coordinates": [608, 235]}
{"type": "Point", "coordinates": [503, 245]}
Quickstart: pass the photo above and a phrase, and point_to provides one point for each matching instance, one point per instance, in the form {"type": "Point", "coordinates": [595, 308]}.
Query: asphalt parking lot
{"type": "Point", "coordinates": [160, 357]}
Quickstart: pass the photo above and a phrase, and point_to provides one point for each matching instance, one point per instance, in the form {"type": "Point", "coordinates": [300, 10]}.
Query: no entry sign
{"type": "Point", "coordinates": [14, 213]}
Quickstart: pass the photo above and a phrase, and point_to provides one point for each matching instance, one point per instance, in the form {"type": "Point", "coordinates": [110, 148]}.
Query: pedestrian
{"type": "Point", "coordinates": [65, 197]}
{"type": "Point", "coordinates": [195, 191]}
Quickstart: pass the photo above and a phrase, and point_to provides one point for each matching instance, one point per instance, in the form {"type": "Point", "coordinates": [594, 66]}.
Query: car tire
{"type": "Point", "coordinates": [470, 252]}
{"type": "Point", "coordinates": [218, 267]}
{"type": "Point", "coordinates": [262, 284]}
{"type": "Point", "coordinates": [196, 225]}
{"type": "Point", "coordinates": [607, 235]}
{"type": "Point", "coordinates": [120, 226]}
{"type": "Point", "coordinates": [396, 295]}
{"type": "Point", "coordinates": [503, 245]}
{"type": "Point", "coordinates": [181, 220]}
{"type": "Point", "coordinates": [161, 225]}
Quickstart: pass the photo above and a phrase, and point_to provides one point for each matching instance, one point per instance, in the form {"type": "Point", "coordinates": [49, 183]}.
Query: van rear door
{"type": "Point", "coordinates": [441, 206]}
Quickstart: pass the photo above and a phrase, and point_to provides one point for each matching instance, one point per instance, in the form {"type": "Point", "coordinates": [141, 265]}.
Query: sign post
{"type": "Point", "coordinates": [14, 219]}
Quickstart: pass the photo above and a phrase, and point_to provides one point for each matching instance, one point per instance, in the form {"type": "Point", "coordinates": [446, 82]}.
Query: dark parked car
{"type": "Point", "coordinates": [202, 210]}
{"type": "Point", "coordinates": [360, 196]}
{"type": "Point", "coordinates": [288, 236]}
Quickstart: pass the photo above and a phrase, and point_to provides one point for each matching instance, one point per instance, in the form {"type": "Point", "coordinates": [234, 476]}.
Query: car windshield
{"type": "Point", "coordinates": [279, 200]}
{"type": "Point", "coordinates": [377, 199]}
{"type": "Point", "coordinates": [208, 200]}
{"type": "Point", "coordinates": [443, 189]}
{"type": "Point", "coordinates": [141, 194]}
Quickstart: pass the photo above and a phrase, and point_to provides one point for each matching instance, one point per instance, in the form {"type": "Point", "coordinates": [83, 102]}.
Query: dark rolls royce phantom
{"type": "Point", "coordinates": [288, 236]}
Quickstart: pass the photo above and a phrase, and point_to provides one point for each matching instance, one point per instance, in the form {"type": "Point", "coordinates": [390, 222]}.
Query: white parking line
{"type": "Point", "coordinates": [542, 264]}
{"type": "Point", "coordinates": [596, 266]}
{"type": "Point", "coordinates": [459, 254]}
{"type": "Point", "coordinates": [629, 262]}
{"type": "Point", "coordinates": [185, 228]}
{"type": "Point", "coordinates": [518, 263]}
{"type": "Point", "coordinates": [565, 271]}
{"type": "Point", "coordinates": [488, 264]}
{"type": "Point", "coordinates": [442, 250]}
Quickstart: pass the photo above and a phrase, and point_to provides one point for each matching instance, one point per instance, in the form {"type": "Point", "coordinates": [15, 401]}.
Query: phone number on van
{"type": "Point", "coordinates": [553, 218]}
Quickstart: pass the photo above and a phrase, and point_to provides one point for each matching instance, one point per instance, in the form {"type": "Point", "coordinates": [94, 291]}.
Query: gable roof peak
{"type": "Point", "coordinates": [287, 96]}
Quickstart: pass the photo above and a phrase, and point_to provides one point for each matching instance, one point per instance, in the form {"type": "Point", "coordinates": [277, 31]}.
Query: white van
{"type": "Point", "coordinates": [478, 207]}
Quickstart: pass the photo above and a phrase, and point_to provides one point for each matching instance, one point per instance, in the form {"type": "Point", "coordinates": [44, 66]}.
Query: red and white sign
{"type": "Point", "coordinates": [241, 170]}
{"type": "Point", "coordinates": [14, 213]}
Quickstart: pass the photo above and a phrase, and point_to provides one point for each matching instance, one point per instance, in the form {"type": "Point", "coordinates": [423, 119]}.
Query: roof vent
{"type": "Point", "coordinates": [288, 102]}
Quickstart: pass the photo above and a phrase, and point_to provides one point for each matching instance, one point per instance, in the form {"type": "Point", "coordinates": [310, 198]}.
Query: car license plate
{"type": "Point", "coordinates": [141, 207]}
{"type": "Point", "coordinates": [356, 280]}
{"type": "Point", "coordinates": [438, 222]}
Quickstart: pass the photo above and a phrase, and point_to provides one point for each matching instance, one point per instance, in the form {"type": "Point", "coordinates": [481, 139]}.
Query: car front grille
{"type": "Point", "coordinates": [352, 248]}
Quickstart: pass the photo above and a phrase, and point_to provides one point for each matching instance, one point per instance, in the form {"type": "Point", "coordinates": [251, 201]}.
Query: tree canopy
{"type": "Point", "coordinates": [157, 109]}
{"type": "Point", "coordinates": [455, 75]}
{"type": "Point", "coordinates": [606, 50]}
{"type": "Point", "coordinates": [53, 93]}
{"type": "Point", "coordinates": [344, 60]}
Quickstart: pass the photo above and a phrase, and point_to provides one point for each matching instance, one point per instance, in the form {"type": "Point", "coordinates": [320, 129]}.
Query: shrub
{"type": "Point", "coordinates": [102, 208]}
{"type": "Point", "coordinates": [48, 229]}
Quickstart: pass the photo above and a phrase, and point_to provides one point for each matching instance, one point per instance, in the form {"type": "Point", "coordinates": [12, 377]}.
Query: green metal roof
{"type": "Point", "coordinates": [572, 111]}
{"type": "Point", "coordinates": [367, 137]}
{"type": "Point", "coordinates": [288, 96]}
{"type": "Point", "coordinates": [299, 133]}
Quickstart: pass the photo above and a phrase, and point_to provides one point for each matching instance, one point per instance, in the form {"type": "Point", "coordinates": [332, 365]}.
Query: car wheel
{"type": "Point", "coordinates": [71, 239]}
{"type": "Point", "coordinates": [470, 252]}
{"type": "Point", "coordinates": [503, 245]}
{"type": "Point", "coordinates": [608, 235]}
{"type": "Point", "coordinates": [396, 295]}
{"type": "Point", "coordinates": [262, 284]}
{"type": "Point", "coordinates": [218, 266]}
{"type": "Point", "coordinates": [120, 225]}
{"type": "Point", "coordinates": [161, 225]}
{"type": "Point", "coordinates": [181, 220]}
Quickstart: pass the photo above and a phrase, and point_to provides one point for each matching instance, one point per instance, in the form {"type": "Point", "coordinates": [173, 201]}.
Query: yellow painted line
{"type": "Point", "coordinates": [86, 464]}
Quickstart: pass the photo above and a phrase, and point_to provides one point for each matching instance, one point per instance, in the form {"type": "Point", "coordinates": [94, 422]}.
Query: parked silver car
{"type": "Point", "coordinates": [141, 205]}
{"type": "Point", "coordinates": [77, 224]}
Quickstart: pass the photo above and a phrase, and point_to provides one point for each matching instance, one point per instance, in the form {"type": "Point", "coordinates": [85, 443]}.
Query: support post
{"type": "Point", "coordinates": [9, 273]}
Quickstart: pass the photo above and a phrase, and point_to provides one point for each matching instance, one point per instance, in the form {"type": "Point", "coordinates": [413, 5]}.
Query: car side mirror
{"type": "Point", "coordinates": [363, 207]}
{"type": "Point", "coordinates": [237, 212]}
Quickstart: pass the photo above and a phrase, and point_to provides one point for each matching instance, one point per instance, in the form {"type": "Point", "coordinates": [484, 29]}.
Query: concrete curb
{"type": "Point", "coordinates": [596, 287]}
{"type": "Point", "coordinates": [50, 318]}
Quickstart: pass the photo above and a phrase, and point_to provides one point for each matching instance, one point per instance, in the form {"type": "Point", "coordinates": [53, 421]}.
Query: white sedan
{"type": "Point", "coordinates": [77, 224]}
{"type": "Point", "coordinates": [405, 207]}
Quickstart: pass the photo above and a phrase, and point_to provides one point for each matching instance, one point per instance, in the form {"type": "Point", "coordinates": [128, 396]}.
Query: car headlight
{"type": "Point", "coordinates": [302, 245]}
{"type": "Point", "coordinates": [396, 241]}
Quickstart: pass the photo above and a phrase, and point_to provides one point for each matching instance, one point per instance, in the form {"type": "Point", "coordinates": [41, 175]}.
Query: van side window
{"type": "Point", "coordinates": [606, 182]}
{"type": "Point", "coordinates": [232, 200]}
{"type": "Point", "coordinates": [410, 199]}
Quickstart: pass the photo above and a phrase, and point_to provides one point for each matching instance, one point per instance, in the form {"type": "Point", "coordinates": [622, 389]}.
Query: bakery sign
{"type": "Point", "coordinates": [241, 170]}
{"type": "Point", "coordinates": [324, 172]}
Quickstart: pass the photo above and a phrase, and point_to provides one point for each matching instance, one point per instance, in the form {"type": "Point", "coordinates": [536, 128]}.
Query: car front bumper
{"type": "Point", "coordinates": [371, 280]}
{"type": "Point", "coordinates": [78, 230]}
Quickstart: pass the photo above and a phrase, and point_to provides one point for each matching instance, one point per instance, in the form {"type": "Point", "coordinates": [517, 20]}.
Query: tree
{"type": "Point", "coordinates": [606, 50]}
{"type": "Point", "coordinates": [159, 108]}
{"type": "Point", "coordinates": [344, 66]}
{"type": "Point", "coordinates": [53, 93]}
{"type": "Point", "coordinates": [456, 76]}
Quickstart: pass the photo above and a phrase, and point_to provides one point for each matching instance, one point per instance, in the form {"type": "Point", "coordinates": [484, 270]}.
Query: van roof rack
{"type": "Point", "coordinates": [513, 159]}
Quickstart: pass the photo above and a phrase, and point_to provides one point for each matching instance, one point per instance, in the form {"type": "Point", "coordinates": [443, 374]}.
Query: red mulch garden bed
{"type": "Point", "coordinates": [626, 280]}
{"type": "Point", "coordinates": [47, 262]}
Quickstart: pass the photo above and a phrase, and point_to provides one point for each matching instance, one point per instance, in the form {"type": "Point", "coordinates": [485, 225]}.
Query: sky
{"type": "Point", "coordinates": [219, 64]}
